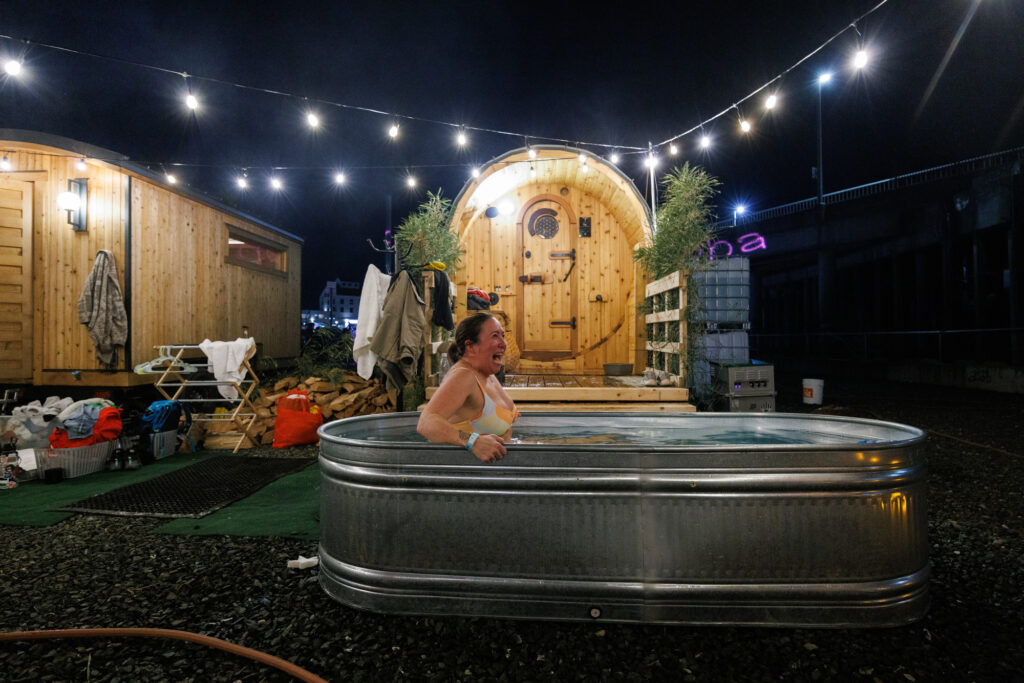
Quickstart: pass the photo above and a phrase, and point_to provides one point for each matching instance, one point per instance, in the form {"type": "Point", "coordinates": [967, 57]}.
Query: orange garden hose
{"type": "Point", "coordinates": [263, 658]}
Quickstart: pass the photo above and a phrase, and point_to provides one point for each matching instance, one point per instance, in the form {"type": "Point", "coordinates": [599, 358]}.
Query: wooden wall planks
{"type": "Point", "coordinates": [181, 288]}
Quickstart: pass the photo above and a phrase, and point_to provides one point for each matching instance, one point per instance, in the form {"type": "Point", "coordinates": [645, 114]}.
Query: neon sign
{"type": "Point", "coordinates": [752, 241]}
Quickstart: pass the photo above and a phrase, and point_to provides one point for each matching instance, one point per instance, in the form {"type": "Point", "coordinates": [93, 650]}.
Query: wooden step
{"type": "Point", "coordinates": [593, 394]}
{"type": "Point", "coordinates": [632, 407]}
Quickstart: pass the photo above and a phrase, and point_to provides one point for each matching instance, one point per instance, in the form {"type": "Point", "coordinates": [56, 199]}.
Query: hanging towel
{"type": "Point", "coordinates": [442, 302]}
{"type": "Point", "coordinates": [101, 309]}
{"type": "Point", "coordinates": [371, 303]}
{"type": "Point", "coordinates": [226, 361]}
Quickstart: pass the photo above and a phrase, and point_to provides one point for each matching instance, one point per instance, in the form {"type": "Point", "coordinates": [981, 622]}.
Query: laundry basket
{"type": "Point", "coordinates": [75, 462]}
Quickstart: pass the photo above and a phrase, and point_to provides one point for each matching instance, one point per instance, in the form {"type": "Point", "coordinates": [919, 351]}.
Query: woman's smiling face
{"type": "Point", "coordinates": [486, 354]}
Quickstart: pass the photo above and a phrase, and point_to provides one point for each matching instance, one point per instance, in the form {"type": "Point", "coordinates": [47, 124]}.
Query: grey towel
{"type": "Point", "coordinates": [101, 309]}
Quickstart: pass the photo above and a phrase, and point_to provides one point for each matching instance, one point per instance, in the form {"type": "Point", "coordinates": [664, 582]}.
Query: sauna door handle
{"type": "Point", "coordinates": [564, 323]}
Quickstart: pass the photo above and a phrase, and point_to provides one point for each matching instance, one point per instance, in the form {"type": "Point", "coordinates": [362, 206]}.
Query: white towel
{"type": "Point", "coordinates": [226, 361]}
{"type": "Point", "coordinates": [371, 304]}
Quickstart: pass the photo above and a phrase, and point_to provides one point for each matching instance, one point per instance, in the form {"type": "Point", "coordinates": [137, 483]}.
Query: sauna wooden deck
{"type": "Point", "coordinates": [592, 393]}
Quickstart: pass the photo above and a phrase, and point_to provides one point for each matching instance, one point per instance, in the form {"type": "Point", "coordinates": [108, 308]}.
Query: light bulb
{"type": "Point", "coordinates": [393, 130]}
{"type": "Point", "coordinates": [80, 165]}
{"type": "Point", "coordinates": [461, 139]}
{"type": "Point", "coordinates": [673, 149]}
{"type": "Point", "coordinates": [171, 179]}
{"type": "Point", "coordinates": [614, 157]}
{"type": "Point", "coordinates": [410, 181]}
{"type": "Point", "coordinates": [313, 120]}
{"type": "Point", "coordinates": [824, 78]}
{"type": "Point", "coordinates": [12, 67]}
{"type": "Point", "coordinates": [860, 59]}
{"type": "Point", "coordinates": [191, 102]}
{"type": "Point", "coordinates": [532, 153]}
{"type": "Point", "coordinates": [745, 126]}
{"type": "Point", "coordinates": [651, 161]}
{"type": "Point", "coordinates": [339, 179]}
{"type": "Point", "coordinates": [771, 101]}
{"type": "Point", "coordinates": [276, 184]}
{"type": "Point", "coordinates": [242, 183]}
{"type": "Point", "coordinates": [705, 141]}
{"type": "Point", "coordinates": [475, 172]}
{"type": "Point", "coordinates": [5, 164]}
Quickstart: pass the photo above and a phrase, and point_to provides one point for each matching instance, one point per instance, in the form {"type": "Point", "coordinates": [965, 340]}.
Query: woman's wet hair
{"type": "Point", "coordinates": [468, 330]}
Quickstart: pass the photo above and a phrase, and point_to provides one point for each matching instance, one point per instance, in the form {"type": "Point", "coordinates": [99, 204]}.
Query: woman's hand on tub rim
{"type": "Point", "coordinates": [489, 448]}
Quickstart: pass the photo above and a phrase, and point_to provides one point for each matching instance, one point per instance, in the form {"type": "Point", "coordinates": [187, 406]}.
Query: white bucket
{"type": "Point", "coordinates": [813, 389]}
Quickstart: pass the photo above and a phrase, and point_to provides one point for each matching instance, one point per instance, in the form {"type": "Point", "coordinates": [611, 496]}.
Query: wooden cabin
{"type": "Point", "coordinates": [189, 267]}
{"type": "Point", "coordinates": [554, 239]}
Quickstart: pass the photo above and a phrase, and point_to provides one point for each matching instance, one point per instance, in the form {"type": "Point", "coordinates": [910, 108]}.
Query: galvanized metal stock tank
{"type": "Point", "coordinates": [730, 525]}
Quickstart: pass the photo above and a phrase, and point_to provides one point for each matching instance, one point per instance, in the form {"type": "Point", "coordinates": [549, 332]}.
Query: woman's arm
{"type": "Point", "coordinates": [435, 423]}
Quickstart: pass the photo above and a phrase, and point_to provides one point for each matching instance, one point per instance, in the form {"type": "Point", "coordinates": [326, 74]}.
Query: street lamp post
{"type": "Point", "coordinates": [822, 80]}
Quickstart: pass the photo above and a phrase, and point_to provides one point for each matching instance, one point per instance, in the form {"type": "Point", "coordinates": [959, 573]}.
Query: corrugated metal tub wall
{"type": "Point", "coordinates": [766, 519]}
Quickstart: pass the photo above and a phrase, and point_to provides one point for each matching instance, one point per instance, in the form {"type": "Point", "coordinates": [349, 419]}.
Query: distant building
{"type": "Point", "coordinates": [338, 305]}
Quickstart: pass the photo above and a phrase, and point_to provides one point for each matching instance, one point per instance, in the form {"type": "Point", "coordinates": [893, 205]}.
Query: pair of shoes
{"type": "Point", "coordinates": [665, 379]}
{"type": "Point", "coordinates": [650, 378]}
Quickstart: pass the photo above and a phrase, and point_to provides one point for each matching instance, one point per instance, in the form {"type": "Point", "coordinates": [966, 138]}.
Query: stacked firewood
{"type": "Point", "coordinates": [352, 396]}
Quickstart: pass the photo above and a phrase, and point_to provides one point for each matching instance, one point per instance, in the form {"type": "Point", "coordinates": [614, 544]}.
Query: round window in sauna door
{"type": "Point", "coordinates": [544, 223]}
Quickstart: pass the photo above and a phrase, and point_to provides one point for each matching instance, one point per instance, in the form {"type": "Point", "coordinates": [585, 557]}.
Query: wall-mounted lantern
{"type": "Point", "coordinates": [76, 202]}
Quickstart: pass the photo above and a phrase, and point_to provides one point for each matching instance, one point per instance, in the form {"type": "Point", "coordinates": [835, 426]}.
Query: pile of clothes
{"type": "Point", "coordinates": [87, 422]}
{"type": "Point", "coordinates": [61, 423]}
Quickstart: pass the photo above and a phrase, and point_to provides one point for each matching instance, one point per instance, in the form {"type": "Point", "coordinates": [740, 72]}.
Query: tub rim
{"type": "Point", "coordinates": [915, 434]}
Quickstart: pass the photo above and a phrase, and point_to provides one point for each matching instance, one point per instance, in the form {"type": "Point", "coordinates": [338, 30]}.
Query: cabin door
{"type": "Point", "coordinates": [547, 283]}
{"type": "Point", "coordinates": [15, 281]}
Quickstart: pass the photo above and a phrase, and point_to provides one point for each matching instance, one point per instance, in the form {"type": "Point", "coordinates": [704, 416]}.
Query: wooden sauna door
{"type": "Point", "coordinates": [547, 283]}
{"type": "Point", "coordinates": [15, 281]}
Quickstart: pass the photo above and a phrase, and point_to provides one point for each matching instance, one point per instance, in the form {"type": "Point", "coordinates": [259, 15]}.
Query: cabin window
{"type": "Point", "coordinates": [248, 251]}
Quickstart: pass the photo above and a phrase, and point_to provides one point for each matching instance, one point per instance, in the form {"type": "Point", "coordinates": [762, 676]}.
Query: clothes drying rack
{"type": "Point", "coordinates": [172, 383]}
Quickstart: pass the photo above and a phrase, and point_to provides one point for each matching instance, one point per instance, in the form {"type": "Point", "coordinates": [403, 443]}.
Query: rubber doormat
{"type": "Point", "coordinates": [193, 491]}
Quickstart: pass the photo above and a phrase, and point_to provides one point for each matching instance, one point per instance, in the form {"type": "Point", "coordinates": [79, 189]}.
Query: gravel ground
{"type": "Point", "coordinates": [94, 571]}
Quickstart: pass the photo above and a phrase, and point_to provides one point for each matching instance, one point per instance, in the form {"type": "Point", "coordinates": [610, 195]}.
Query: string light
{"type": "Point", "coordinates": [475, 172]}
{"type": "Point", "coordinates": [5, 164]}
{"type": "Point", "coordinates": [651, 161]}
{"type": "Point", "coordinates": [276, 184]}
{"type": "Point", "coordinates": [859, 60]}
{"type": "Point", "coordinates": [80, 165]}
{"type": "Point", "coordinates": [171, 179]}
{"type": "Point", "coordinates": [339, 178]}
{"type": "Point", "coordinates": [824, 77]}
{"type": "Point", "coordinates": [410, 182]}
{"type": "Point", "coordinates": [242, 182]}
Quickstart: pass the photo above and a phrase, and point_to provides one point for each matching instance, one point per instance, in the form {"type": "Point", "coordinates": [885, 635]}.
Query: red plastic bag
{"type": "Point", "coordinates": [297, 420]}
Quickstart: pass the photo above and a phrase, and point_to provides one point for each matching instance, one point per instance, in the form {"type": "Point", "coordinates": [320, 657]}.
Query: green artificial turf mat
{"type": "Point", "coordinates": [32, 503]}
{"type": "Point", "coordinates": [288, 507]}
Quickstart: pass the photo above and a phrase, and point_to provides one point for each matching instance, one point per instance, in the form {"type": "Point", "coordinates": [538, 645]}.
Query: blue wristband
{"type": "Point", "coordinates": [471, 440]}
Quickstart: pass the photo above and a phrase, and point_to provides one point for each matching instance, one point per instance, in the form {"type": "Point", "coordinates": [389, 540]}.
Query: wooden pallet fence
{"type": "Point", "coordinates": [666, 325]}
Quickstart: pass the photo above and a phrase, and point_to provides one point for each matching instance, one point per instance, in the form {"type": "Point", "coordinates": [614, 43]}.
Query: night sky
{"type": "Point", "coordinates": [638, 73]}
